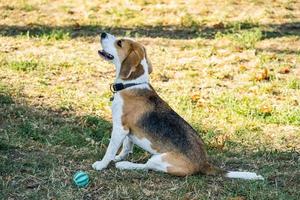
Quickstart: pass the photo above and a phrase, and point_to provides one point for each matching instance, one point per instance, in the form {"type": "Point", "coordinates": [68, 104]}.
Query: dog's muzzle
{"type": "Point", "coordinates": [102, 52]}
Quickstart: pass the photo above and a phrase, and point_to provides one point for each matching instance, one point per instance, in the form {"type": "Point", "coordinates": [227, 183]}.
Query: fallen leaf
{"type": "Point", "coordinates": [188, 196]}
{"type": "Point", "coordinates": [219, 25]}
{"type": "Point", "coordinates": [243, 68]}
{"type": "Point", "coordinates": [195, 98]}
{"type": "Point", "coordinates": [238, 49]}
{"type": "Point", "coordinates": [264, 75]}
{"type": "Point", "coordinates": [266, 109]}
{"type": "Point", "coordinates": [200, 103]}
{"type": "Point", "coordinates": [295, 102]}
{"type": "Point", "coordinates": [77, 26]}
{"type": "Point", "coordinates": [220, 141]}
{"type": "Point", "coordinates": [227, 76]}
{"type": "Point", "coordinates": [284, 70]}
{"type": "Point", "coordinates": [71, 12]}
{"type": "Point", "coordinates": [163, 77]}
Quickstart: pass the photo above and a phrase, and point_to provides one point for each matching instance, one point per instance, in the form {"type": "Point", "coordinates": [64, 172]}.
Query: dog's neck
{"type": "Point", "coordinates": [144, 78]}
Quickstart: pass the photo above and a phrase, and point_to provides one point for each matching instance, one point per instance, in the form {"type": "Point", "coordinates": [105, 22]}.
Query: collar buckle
{"type": "Point", "coordinates": [116, 87]}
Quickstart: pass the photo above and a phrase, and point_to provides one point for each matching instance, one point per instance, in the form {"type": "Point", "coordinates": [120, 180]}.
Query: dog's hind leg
{"type": "Point", "coordinates": [130, 166]}
{"type": "Point", "coordinates": [127, 148]}
{"type": "Point", "coordinates": [170, 162]}
{"type": "Point", "coordinates": [154, 163]}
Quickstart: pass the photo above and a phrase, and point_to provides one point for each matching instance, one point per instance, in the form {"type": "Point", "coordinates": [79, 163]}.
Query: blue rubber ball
{"type": "Point", "coordinates": [81, 179]}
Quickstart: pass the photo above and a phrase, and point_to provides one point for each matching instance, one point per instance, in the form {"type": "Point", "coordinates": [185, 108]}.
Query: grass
{"type": "Point", "coordinates": [49, 35]}
{"type": "Point", "coordinates": [236, 65]}
{"type": "Point", "coordinates": [23, 65]}
{"type": "Point", "coordinates": [244, 39]}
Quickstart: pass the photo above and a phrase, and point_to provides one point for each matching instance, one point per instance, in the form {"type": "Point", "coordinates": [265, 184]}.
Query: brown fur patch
{"type": "Point", "coordinates": [180, 164]}
{"type": "Point", "coordinates": [130, 112]}
{"type": "Point", "coordinates": [209, 169]}
{"type": "Point", "coordinates": [135, 106]}
{"type": "Point", "coordinates": [131, 54]}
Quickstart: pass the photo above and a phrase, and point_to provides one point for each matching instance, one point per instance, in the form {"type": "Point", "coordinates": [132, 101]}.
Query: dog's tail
{"type": "Point", "coordinates": [243, 175]}
{"type": "Point", "coordinates": [210, 169]}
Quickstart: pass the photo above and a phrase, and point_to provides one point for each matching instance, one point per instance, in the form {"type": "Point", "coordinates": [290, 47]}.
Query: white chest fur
{"type": "Point", "coordinates": [117, 109]}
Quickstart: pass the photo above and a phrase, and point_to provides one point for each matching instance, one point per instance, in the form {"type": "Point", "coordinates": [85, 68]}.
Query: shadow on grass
{"type": "Point", "coordinates": [279, 51]}
{"type": "Point", "coordinates": [172, 32]}
{"type": "Point", "coordinates": [50, 127]}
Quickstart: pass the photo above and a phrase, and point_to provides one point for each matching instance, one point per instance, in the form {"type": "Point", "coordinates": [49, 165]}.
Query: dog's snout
{"type": "Point", "coordinates": [103, 35]}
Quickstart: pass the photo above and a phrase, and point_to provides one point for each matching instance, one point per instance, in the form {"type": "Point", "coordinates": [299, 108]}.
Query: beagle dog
{"type": "Point", "coordinates": [142, 118]}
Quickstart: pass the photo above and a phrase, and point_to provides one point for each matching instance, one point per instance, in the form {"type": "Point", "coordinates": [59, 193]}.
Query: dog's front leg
{"type": "Point", "coordinates": [126, 150]}
{"type": "Point", "coordinates": [117, 137]}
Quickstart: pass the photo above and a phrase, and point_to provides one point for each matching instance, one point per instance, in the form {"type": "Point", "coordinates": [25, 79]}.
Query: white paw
{"type": "Point", "coordinates": [118, 158]}
{"type": "Point", "coordinates": [99, 165]}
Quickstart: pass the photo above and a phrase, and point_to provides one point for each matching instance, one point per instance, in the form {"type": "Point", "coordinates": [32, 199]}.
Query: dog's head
{"type": "Point", "coordinates": [129, 57]}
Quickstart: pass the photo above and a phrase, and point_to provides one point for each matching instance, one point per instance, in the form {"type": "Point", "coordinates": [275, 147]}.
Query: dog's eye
{"type": "Point", "coordinates": [119, 43]}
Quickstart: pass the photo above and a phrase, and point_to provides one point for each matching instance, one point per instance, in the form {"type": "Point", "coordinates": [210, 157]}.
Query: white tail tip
{"type": "Point", "coordinates": [244, 175]}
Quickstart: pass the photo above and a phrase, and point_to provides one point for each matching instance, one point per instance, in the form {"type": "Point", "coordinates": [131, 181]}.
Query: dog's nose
{"type": "Point", "coordinates": [103, 35]}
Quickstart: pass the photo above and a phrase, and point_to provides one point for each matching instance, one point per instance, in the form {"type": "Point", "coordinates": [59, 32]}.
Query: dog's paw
{"type": "Point", "coordinates": [118, 158]}
{"type": "Point", "coordinates": [99, 165]}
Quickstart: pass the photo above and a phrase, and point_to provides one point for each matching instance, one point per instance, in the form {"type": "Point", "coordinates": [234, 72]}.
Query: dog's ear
{"type": "Point", "coordinates": [150, 69]}
{"type": "Point", "coordinates": [131, 67]}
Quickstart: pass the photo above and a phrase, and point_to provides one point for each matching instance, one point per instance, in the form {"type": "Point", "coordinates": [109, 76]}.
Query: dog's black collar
{"type": "Point", "coordinates": [115, 87]}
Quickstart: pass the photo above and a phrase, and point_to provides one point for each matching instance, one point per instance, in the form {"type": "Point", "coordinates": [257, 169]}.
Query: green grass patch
{"type": "Point", "coordinates": [97, 128]}
{"type": "Point", "coordinates": [246, 39]}
{"type": "Point", "coordinates": [30, 130]}
{"type": "Point", "coordinates": [48, 34]}
{"type": "Point", "coordinates": [294, 84]}
{"type": "Point", "coordinates": [237, 26]}
{"type": "Point", "coordinates": [28, 7]}
{"type": "Point", "coordinates": [23, 65]}
{"type": "Point", "coordinates": [188, 20]}
{"type": "Point", "coordinates": [5, 99]}
{"type": "Point", "coordinates": [69, 136]}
